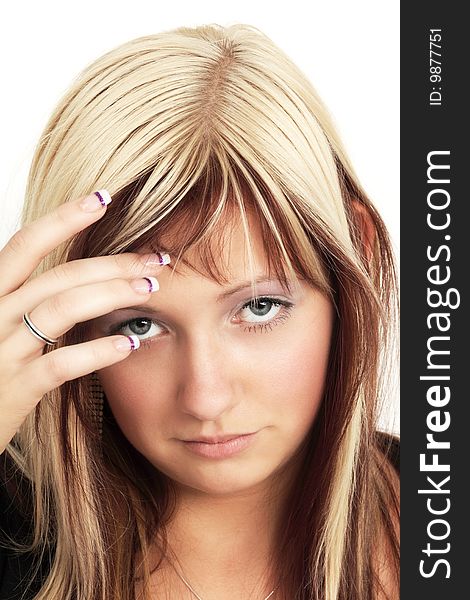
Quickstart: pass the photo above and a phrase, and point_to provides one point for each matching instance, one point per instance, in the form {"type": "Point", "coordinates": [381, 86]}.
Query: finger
{"type": "Point", "coordinates": [69, 362]}
{"type": "Point", "coordinates": [30, 244]}
{"type": "Point", "coordinates": [76, 273]}
{"type": "Point", "coordinates": [58, 314]}
{"type": "Point", "coordinates": [53, 369]}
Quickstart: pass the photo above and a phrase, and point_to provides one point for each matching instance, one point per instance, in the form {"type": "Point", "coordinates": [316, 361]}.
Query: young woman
{"type": "Point", "coordinates": [192, 356]}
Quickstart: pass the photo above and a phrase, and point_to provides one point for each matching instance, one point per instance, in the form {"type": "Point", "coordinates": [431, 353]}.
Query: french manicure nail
{"type": "Point", "coordinates": [96, 201]}
{"type": "Point", "coordinates": [145, 285]}
{"type": "Point", "coordinates": [126, 343]}
{"type": "Point", "coordinates": [152, 260]}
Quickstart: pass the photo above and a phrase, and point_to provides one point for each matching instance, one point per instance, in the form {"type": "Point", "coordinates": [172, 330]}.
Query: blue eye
{"type": "Point", "coordinates": [258, 308]}
{"type": "Point", "coordinates": [139, 326]}
{"type": "Point", "coordinates": [262, 307]}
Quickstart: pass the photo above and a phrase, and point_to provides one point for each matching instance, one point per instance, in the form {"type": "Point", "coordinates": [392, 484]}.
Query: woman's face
{"type": "Point", "coordinates": [210, 365]}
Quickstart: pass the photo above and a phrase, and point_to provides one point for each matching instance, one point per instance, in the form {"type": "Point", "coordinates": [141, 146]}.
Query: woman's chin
{"type": "Point", "coordinates": [229, 487]}
{"type": "Point", "coordinates": [225, 480]}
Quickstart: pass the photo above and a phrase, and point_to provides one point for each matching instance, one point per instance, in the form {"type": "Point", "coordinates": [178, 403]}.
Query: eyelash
{"type": "Point", "coordinates": [281, 316]}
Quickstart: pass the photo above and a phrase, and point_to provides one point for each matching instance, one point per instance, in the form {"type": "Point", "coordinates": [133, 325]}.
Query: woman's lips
{"type": "Point", "coordinates": [221, 449]}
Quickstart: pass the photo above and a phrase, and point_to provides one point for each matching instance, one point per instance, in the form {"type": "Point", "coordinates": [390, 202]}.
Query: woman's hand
{"type": "Point", "coordinates": [57, 300]}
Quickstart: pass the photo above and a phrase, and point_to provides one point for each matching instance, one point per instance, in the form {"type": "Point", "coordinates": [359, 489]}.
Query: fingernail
{"type": "Point", "coordinates": [96, 201]}
{"type": "Point", "coordinates": [145, 285]}
{"type": "Point", "coordinates": [126, 343]}
{"type": "Point", "coordinates": [151, 260]}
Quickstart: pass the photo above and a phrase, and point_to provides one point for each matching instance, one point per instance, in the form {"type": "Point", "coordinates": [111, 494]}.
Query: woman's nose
{"type": "Point", "coordinates": [206, 388]}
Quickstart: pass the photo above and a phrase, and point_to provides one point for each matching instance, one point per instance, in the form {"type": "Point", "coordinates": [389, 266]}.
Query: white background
{"type": "Point", "coordinates": [348, 49]}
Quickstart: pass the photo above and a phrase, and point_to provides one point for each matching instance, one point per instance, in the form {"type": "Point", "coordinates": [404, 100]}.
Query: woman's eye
{"type": "Point", "coordinates": [264, 313]}
{"type": "Point", "coordinates": [140, 326]}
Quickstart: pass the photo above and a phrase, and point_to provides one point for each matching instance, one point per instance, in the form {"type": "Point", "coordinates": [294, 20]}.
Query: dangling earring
{"type": "Point", "coordinates": [96, 396]}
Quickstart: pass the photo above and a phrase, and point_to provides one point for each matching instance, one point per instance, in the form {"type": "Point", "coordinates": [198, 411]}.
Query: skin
{"type": "Point", "coordinates": [207, 371]}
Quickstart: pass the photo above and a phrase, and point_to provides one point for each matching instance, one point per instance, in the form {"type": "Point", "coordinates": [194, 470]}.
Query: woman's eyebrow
{"type": "Point", "coordinates": [243, 285]}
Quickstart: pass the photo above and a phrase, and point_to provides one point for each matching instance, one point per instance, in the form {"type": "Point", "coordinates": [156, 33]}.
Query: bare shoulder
{"type": "Point", "coordinates": [385, 559]}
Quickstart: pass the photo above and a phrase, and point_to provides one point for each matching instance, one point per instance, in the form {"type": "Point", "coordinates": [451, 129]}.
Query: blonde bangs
{"type": "Point", "coordinates": [200, 222]}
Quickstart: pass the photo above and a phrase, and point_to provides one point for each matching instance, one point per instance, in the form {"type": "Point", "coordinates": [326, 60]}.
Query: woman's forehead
{"type": "Point", "coordinates": [238, 247]}
{"type": "Point", "coordinates": [228, 247]}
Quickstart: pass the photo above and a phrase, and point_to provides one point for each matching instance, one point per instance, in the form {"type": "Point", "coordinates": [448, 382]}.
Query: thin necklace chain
{"type": "Point", "coordinates": [186, 583]}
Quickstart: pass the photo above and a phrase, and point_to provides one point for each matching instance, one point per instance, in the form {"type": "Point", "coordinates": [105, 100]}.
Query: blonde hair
{"type": "Point", "coordinates": [186, 128]}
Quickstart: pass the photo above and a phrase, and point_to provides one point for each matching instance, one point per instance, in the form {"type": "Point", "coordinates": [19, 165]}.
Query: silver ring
{"type": "Point", "coordinates": [37, 332]}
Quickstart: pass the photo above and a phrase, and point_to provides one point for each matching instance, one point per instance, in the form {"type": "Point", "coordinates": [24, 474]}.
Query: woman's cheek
{"type": "Point", "coordinates": [135, 394]}
{"type": "Point", "coordinates": [302, 367]}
